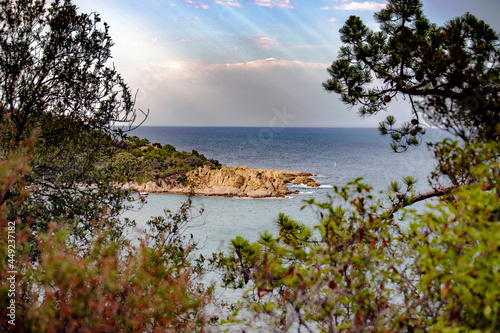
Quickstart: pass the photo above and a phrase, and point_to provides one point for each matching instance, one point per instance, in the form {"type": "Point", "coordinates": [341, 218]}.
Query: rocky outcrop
{"type": "Point", "coordinates": [230, 181]}
{"type": "Point", "coordinates": [305, 180]}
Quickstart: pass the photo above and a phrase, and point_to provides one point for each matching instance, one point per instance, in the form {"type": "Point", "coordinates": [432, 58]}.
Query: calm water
{"type": "Point", "coordinates": [335, 155]}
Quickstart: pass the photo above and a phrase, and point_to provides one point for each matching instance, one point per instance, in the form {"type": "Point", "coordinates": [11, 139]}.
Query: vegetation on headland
{"type": "Point", "coordinates": [141, 161]}
{"type": "Point", "coordinates": [371, 264]}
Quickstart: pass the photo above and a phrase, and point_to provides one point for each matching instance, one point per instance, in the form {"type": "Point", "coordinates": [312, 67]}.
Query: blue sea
{"type": "Point", "coordinates": [334, 155]}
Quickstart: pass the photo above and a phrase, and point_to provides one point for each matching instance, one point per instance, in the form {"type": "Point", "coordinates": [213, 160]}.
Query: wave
{"type": "Point", "coordinates": [299, 186]}
{"type": "Point", "coordinates": [306, 192]}
{"type": "Point", "coordinates": [309, 187]}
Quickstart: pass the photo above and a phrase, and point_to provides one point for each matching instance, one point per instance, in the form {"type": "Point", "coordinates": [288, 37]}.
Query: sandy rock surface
{"type": "Point", "coordinates": [238, 181]}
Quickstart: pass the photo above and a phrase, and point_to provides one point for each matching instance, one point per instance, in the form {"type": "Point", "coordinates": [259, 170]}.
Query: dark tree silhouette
{"type": "Point", "coordinates": [56, 85]}
{"type": "Point", "coordinates": [449, 74]}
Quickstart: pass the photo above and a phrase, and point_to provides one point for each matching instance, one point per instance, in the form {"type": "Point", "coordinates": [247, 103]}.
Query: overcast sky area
{"type": "Point", "coordinates": [245, 62]}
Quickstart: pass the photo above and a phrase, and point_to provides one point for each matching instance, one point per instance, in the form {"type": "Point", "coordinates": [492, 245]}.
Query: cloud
{"type": "Point", "coordinates": [264, 43]}
{"type": "Point", "coordinates": [275, 3]}
{"type": "Point", "coordinates": [277, 63]}
{"type": "Point", "coordinates": [361, 6]}
{"type": "Point", "coordinates": [186, 40]}
{"type": "Point", "coordinates": [193, 68]}
{"type": "Point", "coordinates": [329, 20]}
{"type": "Point", "coordinates": [197, 93]}
{"type": "Point", "coordinates": [196, 4]}
{"type": "Point", "coordinates": [194, 18]}
{"type": "Point", "coordinates": [232, 3]}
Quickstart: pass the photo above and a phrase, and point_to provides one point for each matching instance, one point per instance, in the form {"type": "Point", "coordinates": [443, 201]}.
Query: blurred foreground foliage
{"type": "Point", "coordinates": [64, 113]}
{"type": "Point", "coordinates": [363, 270]}
{"type": "Point", "coordinates": [147, 282]}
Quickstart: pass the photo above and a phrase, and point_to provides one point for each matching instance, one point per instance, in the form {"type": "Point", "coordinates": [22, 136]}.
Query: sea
{"type": "Point", "coordinates": [334, 156]}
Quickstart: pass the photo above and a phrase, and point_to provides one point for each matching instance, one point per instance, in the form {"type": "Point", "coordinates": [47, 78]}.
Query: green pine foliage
{"type": "Point", "coordinates": [372, 264]}
{"type": "Point", "coordinates": [449, 74]}
{"type": "Point", "coordinates": [361, 269]}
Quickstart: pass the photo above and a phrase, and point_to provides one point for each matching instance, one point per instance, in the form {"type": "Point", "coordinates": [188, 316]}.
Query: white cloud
{"type": "Point", "coordinates": [194, 68]}
{"type": "Point", "coordinates": [194, 18]}
{"type": "Point", "coordinates": [196, 4]}
{"type": "Point", "coordinates": [232, 3]}
{"type": "Point", "coordinates": [264, 43]}
{"type": "Point", "coordinates": [329, 20]}
{"type": "Point", "coordinates": [275, 3]}
{"type": "Point", "coordinates": [185, 40]}
{"type": "Point", "coordinates": [276, 63]}
{"type": "Point", "coordinates": [197, 93]}
{"type": "Point", "coordinates": [326, 8]}
{"type": "Point", "coordinates": [362, 6]}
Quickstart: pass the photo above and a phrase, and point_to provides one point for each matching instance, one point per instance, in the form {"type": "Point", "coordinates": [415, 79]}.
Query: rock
{"type": "Point", "coordinates": [306, 181]}
{"type": "Point", "coordinates": [230, 181]}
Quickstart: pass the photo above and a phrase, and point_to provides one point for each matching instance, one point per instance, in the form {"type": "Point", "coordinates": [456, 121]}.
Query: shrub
{"type": "Point", "coordinates": [362, 270]}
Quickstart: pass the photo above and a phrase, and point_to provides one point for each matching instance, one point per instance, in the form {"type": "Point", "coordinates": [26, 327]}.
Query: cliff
{"type": "Point", "coordinates": [229, 181]}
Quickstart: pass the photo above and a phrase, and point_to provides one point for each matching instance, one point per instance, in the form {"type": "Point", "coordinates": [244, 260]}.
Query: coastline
{"type": "Point", "coordinates": [239, 181]}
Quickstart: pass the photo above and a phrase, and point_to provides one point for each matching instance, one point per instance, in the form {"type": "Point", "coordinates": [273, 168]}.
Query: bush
{"type": "Point", "coordinates": [362, 270]}
{"type": "Point", "coordinates": [193, 161]}
{"type": "Point", "coordinates": [169, 149]}
{"type": "Point", "coordinates": [110, 285]}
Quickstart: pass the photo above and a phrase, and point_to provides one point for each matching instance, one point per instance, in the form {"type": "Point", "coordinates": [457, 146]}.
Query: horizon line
{"type": "Point", "coordinates": [240, 126]}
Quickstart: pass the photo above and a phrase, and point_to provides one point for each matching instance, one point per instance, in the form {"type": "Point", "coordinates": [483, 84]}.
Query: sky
{"type": "Point", "coordinates": [245, 62]}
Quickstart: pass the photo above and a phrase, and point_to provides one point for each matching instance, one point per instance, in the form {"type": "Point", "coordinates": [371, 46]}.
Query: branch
{"type": "Point", "coordinates": [437, 192]}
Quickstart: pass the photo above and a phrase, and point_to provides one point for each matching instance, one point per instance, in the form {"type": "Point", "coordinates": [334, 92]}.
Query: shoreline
{"type": "Point", "coordinates": [225, 181]}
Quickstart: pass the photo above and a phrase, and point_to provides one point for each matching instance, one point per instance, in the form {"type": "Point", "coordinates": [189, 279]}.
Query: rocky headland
{"type": "Point", "coordinates": [238, 181]}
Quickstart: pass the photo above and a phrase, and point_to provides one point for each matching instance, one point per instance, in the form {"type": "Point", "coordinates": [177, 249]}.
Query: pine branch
{"type": "Point", "coordinates": [404, 202]}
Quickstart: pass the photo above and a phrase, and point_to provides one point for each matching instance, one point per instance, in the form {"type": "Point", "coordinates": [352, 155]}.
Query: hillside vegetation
{"type": "Point", "coordinates": [140, 161]}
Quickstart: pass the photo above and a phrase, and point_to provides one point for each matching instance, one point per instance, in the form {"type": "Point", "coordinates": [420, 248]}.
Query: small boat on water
{"type": "Point", "coordinates": [143, 194]}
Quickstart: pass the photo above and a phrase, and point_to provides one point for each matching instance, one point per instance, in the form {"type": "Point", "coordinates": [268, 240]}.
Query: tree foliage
{"type": "Point", "coordinates": [458, 254]}
{"type": "Point", "coordinates": [140, 161]}
{"type": "Point", "coordinates": [62, 114]}
{"type": "Point", "coordinates": [369, 265]}
{"type": "Point", "coordinates": [362, 270]}
{"type": "Point", "coordinates": [54, 63]}
{"type": "Point", "coordinates": [56, 84]}
{"type": "Point", "coordinates": [449, 73]}
{"type": "Point", "coordinates": [343, 275]}
{"type": "Point", "coordinates": [111, 284]}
